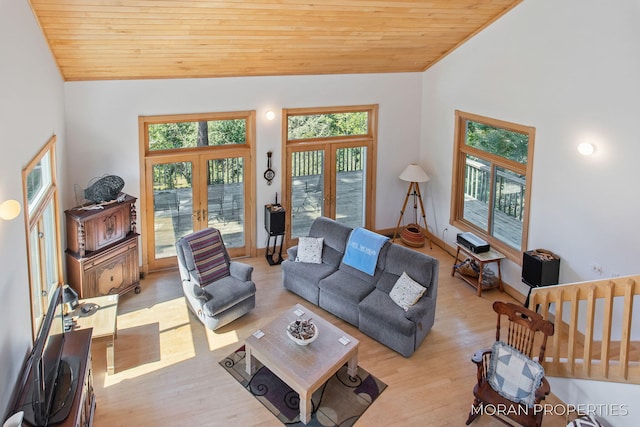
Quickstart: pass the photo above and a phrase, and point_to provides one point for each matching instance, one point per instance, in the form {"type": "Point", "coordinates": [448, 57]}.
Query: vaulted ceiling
{"type": "Point", "coordinates": [143, 39]}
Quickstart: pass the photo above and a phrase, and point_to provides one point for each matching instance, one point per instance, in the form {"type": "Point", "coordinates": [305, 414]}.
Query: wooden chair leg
{"type": "Point", "coordinates": [474, 412]}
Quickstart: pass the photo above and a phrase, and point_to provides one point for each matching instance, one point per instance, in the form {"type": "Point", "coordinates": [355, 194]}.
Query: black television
{"type": "Point", "coordinates": [52, 385]}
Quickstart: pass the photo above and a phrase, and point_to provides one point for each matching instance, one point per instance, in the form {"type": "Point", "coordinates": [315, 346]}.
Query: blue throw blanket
{"type": "Point", "coordinates": [363, 248]}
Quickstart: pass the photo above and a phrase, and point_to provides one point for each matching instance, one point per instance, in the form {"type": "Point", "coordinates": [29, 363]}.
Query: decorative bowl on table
{"type": "Point", "coordinates": [302, 332]}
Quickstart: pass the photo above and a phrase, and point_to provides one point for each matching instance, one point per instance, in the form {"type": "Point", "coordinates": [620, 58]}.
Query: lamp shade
{"type": "Point", "coordinates": [414, 173]}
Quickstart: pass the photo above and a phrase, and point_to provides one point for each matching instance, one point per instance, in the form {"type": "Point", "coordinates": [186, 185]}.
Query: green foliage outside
{"type": "Point", "coordinates": [505, 143]}
{"type": "Point", "coordinates": [327, 125]}
{"type": "Point", "coordinates": [167, 136]}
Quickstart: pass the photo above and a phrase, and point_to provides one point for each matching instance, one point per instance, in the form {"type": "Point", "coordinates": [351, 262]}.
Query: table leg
{"type": "Point", "coordinates": [500, 278]}
{"type": "Point", "coordinates": [480, 278]}
{"type": "Point", "coordinates": [455, 261]}
{"type": "Point", "coordinates": [352, 366]}
{"type": "Point", "coordinates": [248, 360]}
{"type": "Point", "coordinates": [110, 356]}
{"type": "Point", "coordinates": [305, 407]}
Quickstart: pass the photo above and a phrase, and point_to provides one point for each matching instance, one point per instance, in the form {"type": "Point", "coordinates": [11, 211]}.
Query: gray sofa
{"type": "Point", "coordinates": [361, 299]}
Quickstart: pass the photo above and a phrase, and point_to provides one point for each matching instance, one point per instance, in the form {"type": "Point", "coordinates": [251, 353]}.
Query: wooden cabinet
{"type": "Point", "coordinates": [102, 249]}
{"type": "Point", "coordinates": [77, 346]}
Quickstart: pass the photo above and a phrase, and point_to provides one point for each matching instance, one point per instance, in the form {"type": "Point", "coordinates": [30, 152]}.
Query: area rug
{"type": "Point", "coordinates": [339, 402]}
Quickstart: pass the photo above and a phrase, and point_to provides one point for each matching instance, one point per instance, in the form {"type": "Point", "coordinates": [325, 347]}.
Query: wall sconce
{"type": "Point", "coordinates": [270, 115]}
{"type": "Point", "coordinates": [586, 148]}
{"type": "Point", "coordinates": [9, 209]}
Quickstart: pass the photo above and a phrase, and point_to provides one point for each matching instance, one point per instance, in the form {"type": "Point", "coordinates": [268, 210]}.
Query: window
{"type": "Point", "coordinates": [43, 230]}
{"type": "Point", "coordinates": [492, 166]}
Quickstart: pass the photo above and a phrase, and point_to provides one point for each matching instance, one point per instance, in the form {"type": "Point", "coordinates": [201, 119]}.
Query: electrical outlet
{"type": "Point", "coordinates": [596, 268]}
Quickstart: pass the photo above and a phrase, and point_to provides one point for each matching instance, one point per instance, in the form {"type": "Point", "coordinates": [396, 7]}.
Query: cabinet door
{"type": "Point", "coordinates": [112, 272]}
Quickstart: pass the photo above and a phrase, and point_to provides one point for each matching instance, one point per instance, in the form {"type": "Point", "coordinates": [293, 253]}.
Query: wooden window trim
{"type": "Point", "coordinates": [460, 151]}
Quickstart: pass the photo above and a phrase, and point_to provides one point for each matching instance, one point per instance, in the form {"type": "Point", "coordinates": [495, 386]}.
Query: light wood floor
{"type": "Point", "coordinates": [167, 372]}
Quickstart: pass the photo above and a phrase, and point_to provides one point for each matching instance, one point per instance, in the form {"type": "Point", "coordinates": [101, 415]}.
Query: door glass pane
{"type": "Point", "coordinates": [508, 207]}
{"type": "Point", "coordinates": [172, 205]}
{"type": "Point", "coordinates": [225, 199]}
{"type": "Point", "coordinates": [476, 191]}
{"type": "Point", "coordinates": [350, 186]}
{"type": "Point", "coordinates": [307, 190]}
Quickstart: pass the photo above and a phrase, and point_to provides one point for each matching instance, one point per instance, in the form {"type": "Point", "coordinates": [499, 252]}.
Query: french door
{"type": "Point", "coordinates": [191, 189]}
{"type": "Point", "coordinates": [331, 174]}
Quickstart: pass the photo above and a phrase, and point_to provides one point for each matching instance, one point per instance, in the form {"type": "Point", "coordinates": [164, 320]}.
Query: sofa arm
{"type": "Point", "coordinates": [421, 309]}
{"type": "Point", "coordinates": [240, 271]}
{"type": "Point", "coordinates": [292, 253]}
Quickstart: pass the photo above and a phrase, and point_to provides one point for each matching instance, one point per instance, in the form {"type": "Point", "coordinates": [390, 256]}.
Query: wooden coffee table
{"type": "Point", "coordinates": [103, 319]}
{"type": "Point", "coordinates": [303, 368]}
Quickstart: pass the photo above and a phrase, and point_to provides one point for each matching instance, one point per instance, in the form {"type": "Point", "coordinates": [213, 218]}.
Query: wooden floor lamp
{"type": "Point", "coordinates": [412, 234]}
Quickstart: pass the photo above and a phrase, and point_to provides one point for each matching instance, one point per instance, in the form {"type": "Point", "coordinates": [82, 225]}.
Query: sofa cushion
{"type": "Point", "coordinates": [379, 312]}
{"type": "Point", "coordinates": [207, 255]}
{"type": "Point", "coordinates": [513, 375]}
{"type": "Point", "coordinates": [335, 238]}
{"type": "Point", "coordinates": [416, 264]}
{"type": "Point", "coordinates": [310, 250]}
{"type": "Point", "coordinates": [345, 285]}
{"type": "Point", "coordinates": [406, 292]}
{"type": "Point", "coordinates": [226, 293]}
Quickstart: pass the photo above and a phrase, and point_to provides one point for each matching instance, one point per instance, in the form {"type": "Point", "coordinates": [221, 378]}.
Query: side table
{"type": "Point", "coordinates": [99, 313]}
{"type": "Point", "coordinates": [481, 259]}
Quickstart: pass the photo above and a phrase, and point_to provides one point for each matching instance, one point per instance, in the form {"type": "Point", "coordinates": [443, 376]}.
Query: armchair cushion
{"type": "Point", "coordinates": [207, 255]}
{"type": "Point", "coordinates": [513, 375]}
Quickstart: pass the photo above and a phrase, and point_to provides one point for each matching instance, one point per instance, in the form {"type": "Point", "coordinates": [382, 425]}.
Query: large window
{"type": "Point", "coordinates": [43, 229]}
{"type": "Point", "coordinates": [329, 166]}
{"type": "Point", "coordinates": [492, 166]}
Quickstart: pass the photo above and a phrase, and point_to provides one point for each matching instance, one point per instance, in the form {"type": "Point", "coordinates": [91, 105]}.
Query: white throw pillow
{"type": "Point", "coordinates": [310, 249]}
{"type": "Point", "coordinates": [406, 292]}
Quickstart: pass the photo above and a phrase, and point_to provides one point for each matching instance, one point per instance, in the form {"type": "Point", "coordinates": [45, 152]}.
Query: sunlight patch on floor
{"type": "Point", "coordinates": [219, 340]}
{"type": "Point", "coordinates": [157, 345]}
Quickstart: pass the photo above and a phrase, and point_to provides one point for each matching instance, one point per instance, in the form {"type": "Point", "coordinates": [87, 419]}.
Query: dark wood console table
{"type": "Point", "coordinates": [77, 344]}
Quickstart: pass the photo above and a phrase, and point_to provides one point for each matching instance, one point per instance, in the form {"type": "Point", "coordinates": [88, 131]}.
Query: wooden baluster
{"type": "Point", "coordinates": [606, 328]}
{"type": "Point", "coordinates": [573, 328]}
{"type": "Point", "coordinates": [627, 317]}
{"type": "Point", "coordinates": [588, 333]}
{"type": "Point", "coordinates": [558, 332]}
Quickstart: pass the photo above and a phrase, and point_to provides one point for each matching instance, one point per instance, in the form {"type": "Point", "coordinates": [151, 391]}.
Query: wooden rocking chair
{"type": "Point", "coordinates": [524, 327]}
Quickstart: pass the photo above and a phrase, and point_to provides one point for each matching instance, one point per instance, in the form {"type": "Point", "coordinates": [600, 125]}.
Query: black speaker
{"type": "Point", "coordinates": [274, 219]}
{"type": "Point", "coordinates": [540, 268]}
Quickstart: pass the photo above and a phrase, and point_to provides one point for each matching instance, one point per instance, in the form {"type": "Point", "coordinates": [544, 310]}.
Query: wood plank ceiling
{"type": "Point", "coordinates": [144, 39]}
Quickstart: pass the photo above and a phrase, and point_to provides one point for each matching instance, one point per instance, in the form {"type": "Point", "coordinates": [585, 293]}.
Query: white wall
{"type": "Point", "coordinates": [570, 69]}
{"type": "Point", "coordinates": [31, 111]}
{"type": "Point", "coordinates": [102, 124]}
